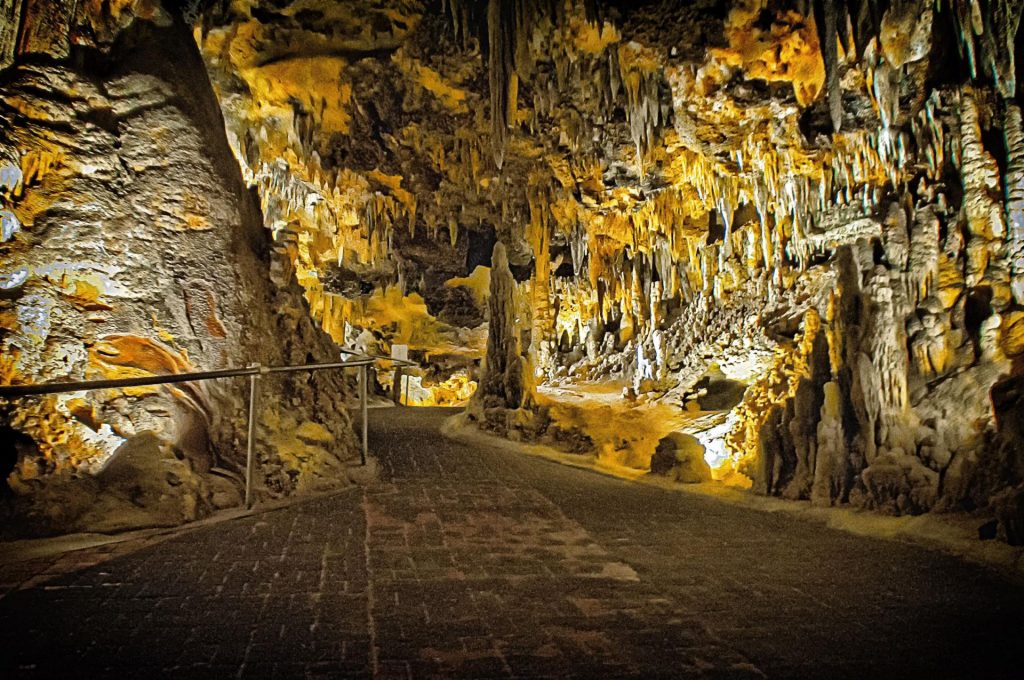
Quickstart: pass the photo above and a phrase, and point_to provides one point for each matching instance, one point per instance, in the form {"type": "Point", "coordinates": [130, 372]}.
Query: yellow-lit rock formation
{"type": "Point", "coordinates": [795, 226]}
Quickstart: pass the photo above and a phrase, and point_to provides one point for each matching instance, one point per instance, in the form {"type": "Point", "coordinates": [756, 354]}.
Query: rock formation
{"type": "Point", "coordinates": [505, 375]}
{"type": "Point", "coordinates": [793, 230]}
{"type": "Point", "coordinates": [136, 250]}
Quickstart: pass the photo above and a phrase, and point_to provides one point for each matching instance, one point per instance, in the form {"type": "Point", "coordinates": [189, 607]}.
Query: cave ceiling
{"type": "Point", "coordinates": [370, 120]}
{"type": "Point", "coordinates": [694, 146]}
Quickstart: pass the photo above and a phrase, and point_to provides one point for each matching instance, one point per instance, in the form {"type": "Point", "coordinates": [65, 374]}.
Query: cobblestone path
{"type": "Point", "coordinates": [478, 563]}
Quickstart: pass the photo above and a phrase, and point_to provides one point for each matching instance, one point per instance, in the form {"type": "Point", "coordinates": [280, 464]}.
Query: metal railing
{"type": "Point", "coordinates": [394, 360]}
{"type": "Point", "coordinates": [254, 371]}
{"type": "Point", "coordinates": [362, 387]}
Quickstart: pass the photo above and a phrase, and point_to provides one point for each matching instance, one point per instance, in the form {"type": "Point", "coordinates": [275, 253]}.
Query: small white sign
{"type": "Point", "coordinates": [400, 352]}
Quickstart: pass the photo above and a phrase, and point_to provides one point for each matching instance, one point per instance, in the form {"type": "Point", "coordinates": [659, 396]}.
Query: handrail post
{"type": "Point", "coordinates": [363, 378]}
{"type": "Point", "coordinates": [250, 459]}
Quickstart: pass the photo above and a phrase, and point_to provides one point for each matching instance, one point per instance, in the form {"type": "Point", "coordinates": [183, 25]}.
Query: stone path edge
{"type": "Point", "coordinates": [954, 534]}
{"type": "Point", "coordinates": [13, 552]}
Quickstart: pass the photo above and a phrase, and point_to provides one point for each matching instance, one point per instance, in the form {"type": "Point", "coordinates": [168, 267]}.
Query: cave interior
{"type": "Point", "coordinates": [773, 245]}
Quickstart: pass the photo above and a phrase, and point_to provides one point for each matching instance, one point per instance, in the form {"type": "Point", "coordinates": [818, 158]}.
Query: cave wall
{"type": "Point", "coordinates": [821, 200]}
{"type": "Point", "coordinates": [817, 202]}
{"type": "Point", "coordinates": [132, 247]}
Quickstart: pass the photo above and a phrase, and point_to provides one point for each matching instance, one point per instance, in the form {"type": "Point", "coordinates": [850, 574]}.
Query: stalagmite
{"type": "Point", "coordinates": [1014, 183]}
{"type": "Point", "coordinates": [505, 382]}
{"type": "Point", "coordinates": [980, 177]}
{"type": "Point", "coordinates": [924, 252]}
{"type": "Point", "coordinates": [830, 468]}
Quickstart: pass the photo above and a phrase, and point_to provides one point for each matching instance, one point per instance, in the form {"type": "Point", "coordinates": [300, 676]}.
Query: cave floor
{"type": "Point", "coordinates": [472, 562]}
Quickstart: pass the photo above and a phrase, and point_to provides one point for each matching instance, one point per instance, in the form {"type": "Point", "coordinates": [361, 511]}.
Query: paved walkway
{"type": "Point", "coordinates": [477, 563]}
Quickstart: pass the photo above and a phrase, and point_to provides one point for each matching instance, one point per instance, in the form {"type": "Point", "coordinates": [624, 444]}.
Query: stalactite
{"type": "Point", "coordinates": [10, 20]}
{"type": "Point", "coordinates": [865, 21]}
{"type": "Point", "coordinates": [1001, 21]}
{"type": "Point", "coordinates": [826, 14]}
{"type": "Point", "coordinates": [501, 30]}
{"type": "Point", "coordinates": [883, 79]}
{"type": "Point", "coordinates": [930, 136]}
{"type": "Point", "coordinates": [967, 15]}
{"type": "Point", "coordinates": [643, 95]}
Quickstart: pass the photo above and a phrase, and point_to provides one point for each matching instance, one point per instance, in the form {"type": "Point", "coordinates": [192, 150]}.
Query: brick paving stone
{"type": "Point", "coordinates": [240, 599]}
{"type": "Point", "coordinates": [475, 563]}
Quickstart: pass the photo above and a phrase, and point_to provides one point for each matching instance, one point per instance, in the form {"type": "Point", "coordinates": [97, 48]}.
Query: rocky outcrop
{"type": "Point", "coordinates": [133, 248]}
{"type": "Point", "coordinates": [680, 458]}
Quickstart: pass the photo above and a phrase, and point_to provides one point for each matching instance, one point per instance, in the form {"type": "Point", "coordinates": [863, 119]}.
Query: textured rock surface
{"type": "Point", "coordinates": [142, 253]}
{"type": "Point", "coordinates": [821, 199]}
{"type": "Point", "coordinates": [806, 194]}
{"type": "Point", "coordinates": [680, 457]}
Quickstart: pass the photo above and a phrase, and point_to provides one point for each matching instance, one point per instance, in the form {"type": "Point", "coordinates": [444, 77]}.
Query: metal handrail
{"type": "Point", "coordinates": [400, 362]}
{"type": "Point", "coordinates": [85, 385]}
{"type": "Point", "coordinates": [254, 371]}
{"type": "Point", "coordinates": [352, 352]}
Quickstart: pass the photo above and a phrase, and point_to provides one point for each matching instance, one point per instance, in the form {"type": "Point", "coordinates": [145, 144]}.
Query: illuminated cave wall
{"type": "Point", "coordinates": [779, 243]}
{"type": "Point", "coordinates": [816, 206]}
{"type": "Point", "coordinates": [370, 168]}
{"type": "Point", "coordinates": [131, 247]}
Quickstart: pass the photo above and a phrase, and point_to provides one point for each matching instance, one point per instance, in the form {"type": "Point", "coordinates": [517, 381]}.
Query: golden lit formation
{"type": "Point", "coordinates": [779, 245]}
